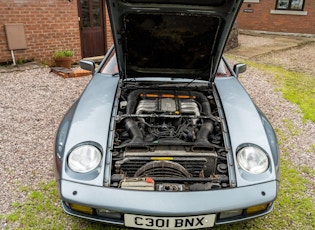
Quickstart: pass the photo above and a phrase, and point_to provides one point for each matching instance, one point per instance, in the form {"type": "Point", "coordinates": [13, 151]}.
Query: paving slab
{"type": "Point", "coordinates": [20, 67]}
{"type": "Point", "coordinates": [251, 46]}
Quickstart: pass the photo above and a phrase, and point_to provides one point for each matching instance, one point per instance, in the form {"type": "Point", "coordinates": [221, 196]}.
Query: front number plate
{"type": "Point", "coordinates": [149, 222]}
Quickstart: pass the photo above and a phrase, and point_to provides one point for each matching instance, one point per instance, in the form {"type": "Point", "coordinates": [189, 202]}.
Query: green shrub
{"type": "Point", "coordinates": [63, 53]}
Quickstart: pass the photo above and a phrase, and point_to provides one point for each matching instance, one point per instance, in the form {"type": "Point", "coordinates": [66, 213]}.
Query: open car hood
{"type": "Point", "coordinates": [171, 38]}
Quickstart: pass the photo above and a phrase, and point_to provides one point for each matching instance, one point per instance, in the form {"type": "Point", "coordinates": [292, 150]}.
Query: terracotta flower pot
{"type": "Point", "coordinates": [63, 62]}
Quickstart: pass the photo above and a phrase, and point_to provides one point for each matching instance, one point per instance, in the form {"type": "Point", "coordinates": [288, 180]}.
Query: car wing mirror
{"type": "Point", "coordinates": [88, 65]}
{"type": "Point", "coordinates": [239, 68]}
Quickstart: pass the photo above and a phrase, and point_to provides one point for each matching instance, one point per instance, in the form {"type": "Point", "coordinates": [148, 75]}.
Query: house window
{"type": "Point", "coordinates": [290, 4]}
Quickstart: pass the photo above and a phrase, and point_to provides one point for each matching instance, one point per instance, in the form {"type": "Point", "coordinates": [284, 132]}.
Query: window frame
{"type": "Point", "coordinates": [289, 6]}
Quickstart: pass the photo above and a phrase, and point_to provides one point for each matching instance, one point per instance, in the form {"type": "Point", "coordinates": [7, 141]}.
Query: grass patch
{"type": "Point", "coordinates": [308, 171]}
{"type": "Point", "coordinates": [296, 87]}
{"type": "Point", "coordinates": [37, 211]}
{"type": "Point", "coordinates": [294, 131]}
{"type": "Point", "coordinates": [42, 210]}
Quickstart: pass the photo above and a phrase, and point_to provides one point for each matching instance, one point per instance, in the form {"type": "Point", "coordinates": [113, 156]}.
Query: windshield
{"type": "Point", "coordinates": [111, 67]}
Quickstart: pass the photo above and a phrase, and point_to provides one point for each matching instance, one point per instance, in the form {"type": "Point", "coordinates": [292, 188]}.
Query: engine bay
{"type": "Point", "coordinates": [168, 139]}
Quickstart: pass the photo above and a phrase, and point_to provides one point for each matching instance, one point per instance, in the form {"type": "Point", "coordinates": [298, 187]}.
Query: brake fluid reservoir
{"type": "Point", "coordinates": [138, 184]}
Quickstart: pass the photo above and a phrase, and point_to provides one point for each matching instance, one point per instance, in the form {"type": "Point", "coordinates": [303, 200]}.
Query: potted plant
{"type": "Point", "coordinates": [63, 58]}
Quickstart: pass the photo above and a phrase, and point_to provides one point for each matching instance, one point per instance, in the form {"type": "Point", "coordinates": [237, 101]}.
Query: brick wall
{"type": "Point", "coordinates": [53, 24]}
{"type": "Point", "coordinates": [108, 32]}
{"type": "Point", "coordinates": [49, 25]}
{"type": "Point", "coordinates": [259, 17]}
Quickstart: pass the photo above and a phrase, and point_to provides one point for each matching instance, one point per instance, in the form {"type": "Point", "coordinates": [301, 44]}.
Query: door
{"type": "Point", "coordinates": [92, 23]}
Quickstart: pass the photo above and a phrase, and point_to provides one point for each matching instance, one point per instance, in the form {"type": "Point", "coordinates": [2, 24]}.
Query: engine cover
{"type": "Point", "coordinates": [168, 105]}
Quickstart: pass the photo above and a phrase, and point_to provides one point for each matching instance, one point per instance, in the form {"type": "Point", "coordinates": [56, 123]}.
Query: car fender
{"type": "Point", "coordinates": [245, 127]}
{"type": "Point", "coordinates": [88, 121]}
{"type": "Point", "coordinates": [61, 138]}
{"type": "Point", "coordinates": [273, 141]}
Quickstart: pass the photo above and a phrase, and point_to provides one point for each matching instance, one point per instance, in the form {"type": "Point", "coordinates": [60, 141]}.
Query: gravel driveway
{"type": "Point", "coordinates": [33, 102]}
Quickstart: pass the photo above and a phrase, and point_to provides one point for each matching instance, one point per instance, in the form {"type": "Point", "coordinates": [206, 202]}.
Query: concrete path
{"type": "Point", "coordinates": [252, 45]}
{"type": "Point", "coordinates": [20, 67]}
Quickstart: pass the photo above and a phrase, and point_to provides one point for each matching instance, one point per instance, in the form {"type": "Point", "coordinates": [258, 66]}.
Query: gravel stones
{"type": "Point", "coordinates": [33, 102]}
{"type": "Point", "coordinates": [32, 105]}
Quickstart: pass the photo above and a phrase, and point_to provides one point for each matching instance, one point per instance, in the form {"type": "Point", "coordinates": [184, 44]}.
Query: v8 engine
{"type": "Point", "coordinates": [173, 137]}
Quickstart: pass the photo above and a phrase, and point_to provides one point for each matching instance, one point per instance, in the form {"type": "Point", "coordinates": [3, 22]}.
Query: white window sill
{"type": "Point", "coordinates": [289, 12]}
{"type": "Point", "coordinates": [252, 1]}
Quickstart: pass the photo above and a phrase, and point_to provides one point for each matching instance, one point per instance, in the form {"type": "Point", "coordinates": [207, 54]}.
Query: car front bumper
{"type": "Point", "coordinates": [166, 204]}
